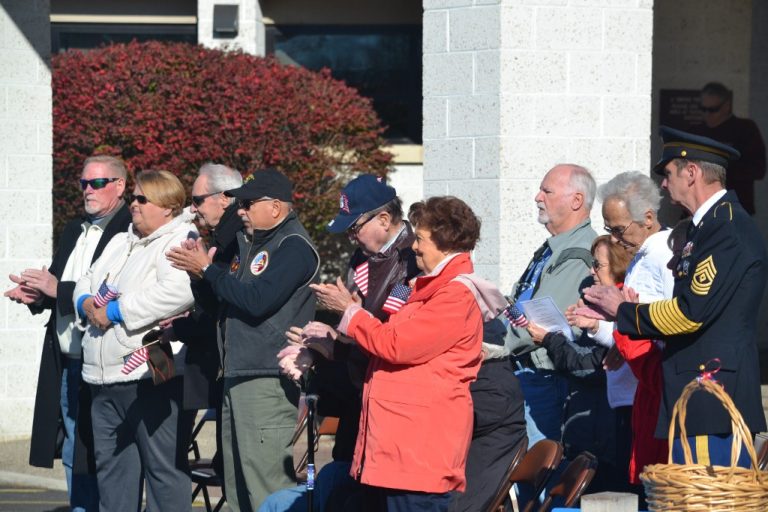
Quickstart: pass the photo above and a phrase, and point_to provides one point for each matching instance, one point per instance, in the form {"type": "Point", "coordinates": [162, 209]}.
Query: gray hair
{"type": "Point", "coordinates": [221, 178]}
{"type": "Point", "coordinates": [114, 163]}
{"type": "Point", "coordinates": [710, 171]}
{"type": "Point", "coordinates": [634, 189]}
{"type": "Point", "coordinates": [582, 181]}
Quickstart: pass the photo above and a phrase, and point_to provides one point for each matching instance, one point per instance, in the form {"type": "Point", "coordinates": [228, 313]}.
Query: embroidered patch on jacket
{"type": "Point", "coordinates": [234, 265]}
{"type": "Point", "coordinates": [259, 263]}
{"type": "Point", "coordinates": [704, 276]}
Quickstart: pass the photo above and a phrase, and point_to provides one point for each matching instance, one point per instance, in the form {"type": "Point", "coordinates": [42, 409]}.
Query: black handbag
{"type": "Point", "coordinates": [160, 357]}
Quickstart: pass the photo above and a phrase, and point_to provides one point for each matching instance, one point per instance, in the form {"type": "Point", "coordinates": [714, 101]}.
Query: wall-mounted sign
{"type": "Point", "coordinates": [679, 108]}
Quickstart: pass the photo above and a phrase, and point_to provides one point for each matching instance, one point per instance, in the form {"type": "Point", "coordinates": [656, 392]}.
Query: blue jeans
{"type": "Point", "coordinates": [82, 489]}
{"type": "Point", "coordinates": [294, 499]}
{"type": "Point", "coordinates": [545, 393]}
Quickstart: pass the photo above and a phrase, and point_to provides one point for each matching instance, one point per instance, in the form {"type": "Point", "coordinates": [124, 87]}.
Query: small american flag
{"type": "Point", "coordinates": [397, 298]}
{"type": "Point", "coordinates": [105, 294]}
{"type": "Point", "coordinates": [360, 278]}
{"type": "Point", "coordinates": [134, 360]}
{"type": "Point", "coordinates": [516, 317]}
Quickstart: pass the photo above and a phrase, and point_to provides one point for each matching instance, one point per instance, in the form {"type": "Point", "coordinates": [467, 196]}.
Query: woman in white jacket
{"type": "Point", "coordinates": [139, 429]}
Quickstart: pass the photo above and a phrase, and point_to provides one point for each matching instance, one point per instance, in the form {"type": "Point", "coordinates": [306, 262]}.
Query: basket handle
{"type": "Point", "coordinates": [741, 434]}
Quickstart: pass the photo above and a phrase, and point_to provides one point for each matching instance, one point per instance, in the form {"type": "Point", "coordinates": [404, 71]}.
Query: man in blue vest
{"type": "Point", "coordinates": [264, 291]}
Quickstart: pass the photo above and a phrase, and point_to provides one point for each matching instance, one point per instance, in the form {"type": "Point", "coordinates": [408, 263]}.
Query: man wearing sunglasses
{"type": "Point", "coordinates": [216, 211]}
{"type": "Point", "coordinates": [740, 133]}
{"type": "Point", "coordinates": [263, 292]}
{"type": "Point", "coordinates": [56, 405]}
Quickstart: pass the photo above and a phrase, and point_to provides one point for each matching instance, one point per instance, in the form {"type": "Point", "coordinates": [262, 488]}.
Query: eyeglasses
{"type": "Point", "coordinates": [247, 203]}
{"type": "Point", "coordinates": [139, 199]}
{"type": "Point", "coordinates": [198, 200]}
{"type": "Point", "coordinates": [596, 265]}
{"type": "Point", "coordinates": [354, 229]}
{"type": "Point", "coordinates": [711, 110]}
{"type": "Point", "coordinates": [96, 183]}
{"type": "Point", "coordinates": [617, 231]}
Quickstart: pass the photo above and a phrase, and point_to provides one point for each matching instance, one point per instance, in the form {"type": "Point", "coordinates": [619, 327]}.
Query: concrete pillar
{"type": "Point", "coordinates": [512, 88]}
{"type": "Point", "coordinates": [25, 197]}
{"type": "Point", "coordinates": [250, 34]}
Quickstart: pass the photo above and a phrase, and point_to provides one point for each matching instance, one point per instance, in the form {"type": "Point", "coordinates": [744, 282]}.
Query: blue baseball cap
{"type": "Point", "coordinates": [361, 195]}
{"type": "Point", "coordinates": [680, 144]}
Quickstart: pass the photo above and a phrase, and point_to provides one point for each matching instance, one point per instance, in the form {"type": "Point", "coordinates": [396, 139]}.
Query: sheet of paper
{"type": "Point", "coordinates": [544, 312]}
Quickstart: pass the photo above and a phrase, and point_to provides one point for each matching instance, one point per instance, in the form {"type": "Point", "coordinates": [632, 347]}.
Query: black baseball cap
{"type": "Point", "coordinates": [267, 182]}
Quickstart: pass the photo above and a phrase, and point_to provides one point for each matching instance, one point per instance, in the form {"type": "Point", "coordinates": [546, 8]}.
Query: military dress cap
{"type": "Point", "coordinates": [361, 195]}
{"type": "Point", "coordinates": [267, 182]}
{"type": "Point", "coordinates": [680, 144]}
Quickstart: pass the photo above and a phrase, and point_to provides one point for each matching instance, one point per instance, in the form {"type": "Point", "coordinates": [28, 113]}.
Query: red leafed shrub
{"type": "Point", "coordinates": [177, 106]}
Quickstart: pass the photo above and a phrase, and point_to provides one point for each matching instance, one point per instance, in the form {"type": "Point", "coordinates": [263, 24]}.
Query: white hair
{"type": "Point", "coordinates": [634, 189]}
{"type": "Point", "coordinates": [582, 181]}
{"type": "Point", "coordinates": [221, 178]}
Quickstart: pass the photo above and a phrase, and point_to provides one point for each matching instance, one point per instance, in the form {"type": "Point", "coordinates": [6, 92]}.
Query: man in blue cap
{"type": "Point", "coordinates": [371, 214]}
{"type": "Point", "coordinates": [709, 325]}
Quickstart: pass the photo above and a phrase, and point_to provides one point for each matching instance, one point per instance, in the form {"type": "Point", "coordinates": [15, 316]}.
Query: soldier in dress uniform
{"type": "Point", "coordinates": [709, 325]}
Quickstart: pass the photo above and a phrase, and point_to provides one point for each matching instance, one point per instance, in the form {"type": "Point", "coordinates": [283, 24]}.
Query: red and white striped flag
{"type": "Point", "coordinates": [516, 317]}
{"type": "Point", "coordinates": [397, 298]}
{"type": "Point", "coordinates": [105, 294]}
{"type": "Point", "coordinates": [360, 277]}
{"type": "Point", "coordinates": [134, 360]}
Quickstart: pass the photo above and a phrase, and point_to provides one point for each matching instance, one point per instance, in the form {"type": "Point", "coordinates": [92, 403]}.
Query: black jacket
{"type": "Point", "coordinates": [197, 331]}
{"type": "Point", "coordinates": [719, 284]}
{"type": "Point", "coordinates": [47, 425]}
{"type": "Point", "coordinates": [499, 428]}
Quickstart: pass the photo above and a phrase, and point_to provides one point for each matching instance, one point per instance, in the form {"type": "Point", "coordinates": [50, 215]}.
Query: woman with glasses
{"type": "Point", "coordinates": [139, 428]}
{"type": "Point", "coordinates": [416, 421]}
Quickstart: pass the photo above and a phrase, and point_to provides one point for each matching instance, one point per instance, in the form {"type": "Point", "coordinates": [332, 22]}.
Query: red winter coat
{"type": "Point", "coordinates": [644, 358]}
{"type": "Point", "coordinates": [416, 422]}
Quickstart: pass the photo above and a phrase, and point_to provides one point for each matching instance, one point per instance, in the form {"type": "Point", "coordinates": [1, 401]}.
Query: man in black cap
{"type": "Point", "coordinates": [263, 292]}
{"type": "Point", "coordinates": [709, 325]}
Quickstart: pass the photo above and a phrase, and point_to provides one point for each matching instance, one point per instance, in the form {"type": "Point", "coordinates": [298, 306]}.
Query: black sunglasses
{"type": "Point", "coordinates": [711, 110]}
{"type": "Point", "coordinates": [96, 183]}
{"type": "Point", "coordinates": [354, 229]}
{"type": "Point", "coordinates": [247, 203]}
{"type": "Point", "coordinates": [138, 198]}
{"type": "Point", "coordinates": [596, 265]}
{"type": "Point", "coordinates": [198, 200]}
{"type": "Point", "coordinates": [617, 231]}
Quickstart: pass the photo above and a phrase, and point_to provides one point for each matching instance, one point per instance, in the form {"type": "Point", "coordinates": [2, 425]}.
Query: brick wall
{"type": "Point", "coordinates": [25, 197]}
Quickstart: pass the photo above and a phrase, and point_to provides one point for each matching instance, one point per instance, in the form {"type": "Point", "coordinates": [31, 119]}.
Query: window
{"type": "Point", "coordinates": [82, 36]}
{"type": "Point", "coordinates": [382, 62]}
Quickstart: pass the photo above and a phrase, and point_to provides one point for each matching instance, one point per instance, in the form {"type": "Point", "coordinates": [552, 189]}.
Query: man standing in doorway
{"type": "Point", "coordinates": [740, 133]}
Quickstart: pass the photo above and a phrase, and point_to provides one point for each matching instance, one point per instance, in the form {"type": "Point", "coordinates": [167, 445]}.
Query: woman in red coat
{"type": "Point", "coordinates": [416, 422]}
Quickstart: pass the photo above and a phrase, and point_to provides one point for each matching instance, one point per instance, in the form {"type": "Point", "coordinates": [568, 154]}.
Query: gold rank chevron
{"type": "Point", "coordinates": [669, 319]}
{"type": "Point", "coordinates": [704, 276]}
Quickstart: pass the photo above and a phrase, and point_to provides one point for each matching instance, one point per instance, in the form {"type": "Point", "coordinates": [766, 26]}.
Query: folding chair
{"type": "Point", "coordinates": [573, 482]}
{"type": "Point", "coordinates": [761, 446]}
{"type": "Point", "coordinates": [201, 469]}
{"type": "Point", "coordinates": [533, 470]}
{"type": "Point", "coordinates": [502, 491]}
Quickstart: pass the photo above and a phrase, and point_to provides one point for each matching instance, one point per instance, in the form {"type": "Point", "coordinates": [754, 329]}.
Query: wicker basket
{"type": "Point", "coordinates": [694, 487]}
